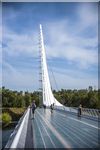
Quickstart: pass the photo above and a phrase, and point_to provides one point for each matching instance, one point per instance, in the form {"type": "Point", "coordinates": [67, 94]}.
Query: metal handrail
{"type": "Point", "coordinates": [85, 111]}
{"type": "Point", "coordinates": [12, 139]}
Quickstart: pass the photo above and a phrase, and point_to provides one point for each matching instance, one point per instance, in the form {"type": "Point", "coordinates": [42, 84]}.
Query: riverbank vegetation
{"type": "Point", "coordinates": [15, 113]}
{"type": "Point", "coordinates": [6, 119]}
{"type": "Point", "coordinates": [15, 103]}
{"type": "Point", "coordinates": [10, 116]}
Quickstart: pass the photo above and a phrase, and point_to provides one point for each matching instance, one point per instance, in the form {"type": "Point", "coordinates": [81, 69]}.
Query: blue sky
{"type": "Point", "coordinates": [71, 43]}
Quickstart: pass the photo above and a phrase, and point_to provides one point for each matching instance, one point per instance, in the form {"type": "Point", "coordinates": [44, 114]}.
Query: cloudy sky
{"type": "Point", "coordinates": [71, 43]}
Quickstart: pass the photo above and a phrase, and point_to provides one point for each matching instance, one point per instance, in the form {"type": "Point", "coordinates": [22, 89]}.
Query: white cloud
{"type": "Point", "coordinates": [62, 40]}
{"type": "Point", "coordinates": [72, 79]}
{"type": "Point", "coordinates": [88, 14]}
{"type": "Point", "coordinates": [80, 50]}
{"type": "Point", "coordinates": [19, 44]}
{"type": "Point", "coordinates": [25, 79]}
{"type": "Point", "coordinates": [70, 82]}
{"type": "Point", "coordinates": [68, 41]}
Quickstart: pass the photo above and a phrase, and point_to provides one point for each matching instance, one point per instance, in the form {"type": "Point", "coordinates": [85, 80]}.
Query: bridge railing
{"type": "Point", "coordinates": [17, 133]}
{"type": "Point", "coordinates": [91, 112]}
{"type": "Point", "coordinates": [85, 111]}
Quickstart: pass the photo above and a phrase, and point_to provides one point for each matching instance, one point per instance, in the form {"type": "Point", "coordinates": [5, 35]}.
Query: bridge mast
{"type": "Point", "coordinates": [40, 73]}
{"type": "Point", "coordinates": [47, 95]}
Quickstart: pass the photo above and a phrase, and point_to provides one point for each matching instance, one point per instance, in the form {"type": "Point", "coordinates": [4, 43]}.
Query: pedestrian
{"type": "Point", "coordinates": [33, 108]}
{"type": "Point", "coordinates": [44, 106]}
{"type": "Point", "coordinates": [80, 110]}
{"type": "Point", "coordinates": [52, 107]}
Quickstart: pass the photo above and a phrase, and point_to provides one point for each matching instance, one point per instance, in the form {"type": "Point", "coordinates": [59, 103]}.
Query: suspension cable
{"type": "Point", "coordinates": [53, 76]}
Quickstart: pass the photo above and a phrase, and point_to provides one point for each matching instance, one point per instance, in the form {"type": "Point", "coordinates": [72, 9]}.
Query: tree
{"type": "Point", "coordinates": [27, 99]}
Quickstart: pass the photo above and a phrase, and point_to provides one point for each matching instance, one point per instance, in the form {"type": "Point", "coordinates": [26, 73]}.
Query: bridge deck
{"type": "Point", "coordinates": [62, 130]}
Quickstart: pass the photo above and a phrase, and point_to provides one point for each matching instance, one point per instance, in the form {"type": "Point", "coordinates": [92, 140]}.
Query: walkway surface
{"type": "Point", "coordinates": [62, 130]}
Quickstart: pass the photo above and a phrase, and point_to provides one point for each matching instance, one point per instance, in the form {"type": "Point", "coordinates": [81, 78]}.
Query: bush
{"type": "Point", "coordinates": [6, 118]}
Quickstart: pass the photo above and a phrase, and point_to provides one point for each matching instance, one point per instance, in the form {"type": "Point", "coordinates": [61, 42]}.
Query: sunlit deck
{"type": "Point", "coordinates": [62, 130]}
{"type": "Point", "coordinates": [59, 129]}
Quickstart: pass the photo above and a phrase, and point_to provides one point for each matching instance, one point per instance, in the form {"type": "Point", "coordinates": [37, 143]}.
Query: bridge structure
{"type": "Point", "coordinates": [60, 129]}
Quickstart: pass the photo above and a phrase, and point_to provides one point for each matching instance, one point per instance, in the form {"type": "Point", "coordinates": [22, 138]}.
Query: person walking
{"type": "Point", "coordinates": [80, 110]}
{"type": "Point", "coordinates": [44, 106]}
{"type": "Point", "coordinates": [33, 108]}
{"type": "Point", "coordinates": [52, 107]}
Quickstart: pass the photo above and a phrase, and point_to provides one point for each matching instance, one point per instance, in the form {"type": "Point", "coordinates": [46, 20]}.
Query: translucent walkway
{"type": "Point", "coordinates": [62, 130]}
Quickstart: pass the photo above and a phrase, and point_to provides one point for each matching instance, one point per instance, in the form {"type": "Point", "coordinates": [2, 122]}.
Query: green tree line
{"type": "Point", "coordinates": [18, 99]}
{"type": "Point", "coordinates": [73, 98]}
{"type": "Point", "coordinates": [70, 98]}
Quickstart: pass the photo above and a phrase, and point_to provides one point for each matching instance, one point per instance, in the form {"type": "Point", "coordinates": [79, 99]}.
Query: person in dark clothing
{"type": "Point", "coordinates": [52, 107]}
{"type": "Point", "coordinates": [44, 106]}
{"type": "Point", "coordinates": [33, 108]}
{"type": "Point", "coordinates": [80, 110]}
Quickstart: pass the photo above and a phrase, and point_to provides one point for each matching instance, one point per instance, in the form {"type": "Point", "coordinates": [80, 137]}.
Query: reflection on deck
{"type": "Point", "coordinates": [57, 130]}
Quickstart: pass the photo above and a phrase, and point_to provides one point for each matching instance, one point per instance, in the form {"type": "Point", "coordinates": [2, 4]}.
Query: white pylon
{"type": "Point", "coordinates": [47, 94]}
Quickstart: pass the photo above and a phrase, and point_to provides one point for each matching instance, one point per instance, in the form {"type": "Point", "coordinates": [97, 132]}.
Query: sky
{"type": "Point", "coordinates": [71, 42]}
